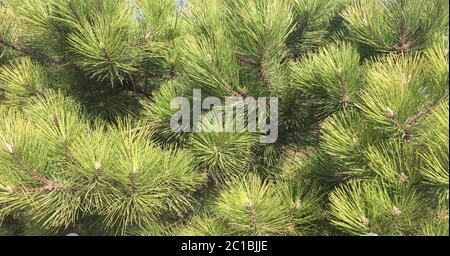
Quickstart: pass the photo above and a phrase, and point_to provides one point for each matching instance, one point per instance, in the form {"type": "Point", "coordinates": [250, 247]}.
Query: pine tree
{"type": "Point", "coordinates": [85, 108]}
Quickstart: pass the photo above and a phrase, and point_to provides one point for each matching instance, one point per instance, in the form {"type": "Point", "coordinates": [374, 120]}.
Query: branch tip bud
{"type": "Point", "coordinates": [9, 148]}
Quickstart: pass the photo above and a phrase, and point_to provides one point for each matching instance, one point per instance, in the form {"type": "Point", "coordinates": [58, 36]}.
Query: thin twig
{"type": "Point", "coordinates": [29, 52]}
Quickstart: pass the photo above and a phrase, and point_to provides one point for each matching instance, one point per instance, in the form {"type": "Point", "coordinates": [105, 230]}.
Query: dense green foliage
{"type": "Point", "coordinates": [85, 94]}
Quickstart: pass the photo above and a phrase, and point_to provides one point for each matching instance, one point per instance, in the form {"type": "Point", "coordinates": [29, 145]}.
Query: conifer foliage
{"type": "Point", "coordinates": [85, 109]}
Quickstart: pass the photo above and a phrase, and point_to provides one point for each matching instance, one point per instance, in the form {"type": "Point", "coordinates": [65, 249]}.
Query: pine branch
{"type": "Point", "coordinates": [375, 36]}
{"type": "Point", "coordinates": [98, 172]}
{"type": "Point", "coordinates": [33, 89]}
{"type": "Point", "coordinates": [246, 60]}
{"type": "Point", "coordinates": [133, 180]}
{"type": "Point", "coordinates": [143, 40]}
{"type": "Point", "coordinates": [405, 45]}
{"type": "Point", "coordinates": [412, 120]}
{"type": "Point", "coordinates": [257, 65]}
{"type": "Point", "coordinates": [48, 183]}
{"type": "Point", "coordinates": [262, 68]}
{"type": "Point", "coordinates": [74, 12]}
{"type": "Point", "coordinates": [63, 141]}
{"type": "Point", "coordinates": [253, 216]}
{"type": "Point", "coordinates": [40, 56]}
{"type": "Point", "coordinates": [130, 85]}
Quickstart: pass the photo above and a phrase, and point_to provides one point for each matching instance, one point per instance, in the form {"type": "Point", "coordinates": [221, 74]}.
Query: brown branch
{"type": "Point", "coordinates": [298, 35]}
{"type": "Point", "coordinates": [74, 12]}
{"type": "Point", "coordinates": [133, 181]}
{"type": "Point", "coordinates": [29, 190]}
{"type": "Point", "coordinates": [98, 171]}
{"type": "Point", "coordinates": [404, 44]}
{"type": "Point", "coordinates": [412, 120]}
{"type": "Point", "coordinates": [345, 97]}
{"type": "Point", "coordinates": [131, 85]}
{"type": "Point", "coordinates": [403, 33]}
{"type": "Point", "coordinates": [253, 215]}
{"type": "Point", "coordinates": [29, 52]}
{"type": "Point", "coordinates": [392, 116]}
{"type": "Point", "coordinates": [173, 68]}
{"type": "Point", "coordinates": [377, 38]}
{"type": "Point", "coordinates": [63, 141]}
{"type": "Point", "coordinates": [263, 72]}
{"type": "Point", "coordinates": [172, 72]}
{"type": "Point", "coordinates": [246, 60]}
{"type": "Point", "coordinates": [25, 166]}
{"type": "Point", "coordinates": [258, 65]}
{"type": "Point", "coordinates": [142, 40]}
{"type": "Point", "coordinates": [105, 53]}
{"type": "Point", "coordinates": [33, 89]}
